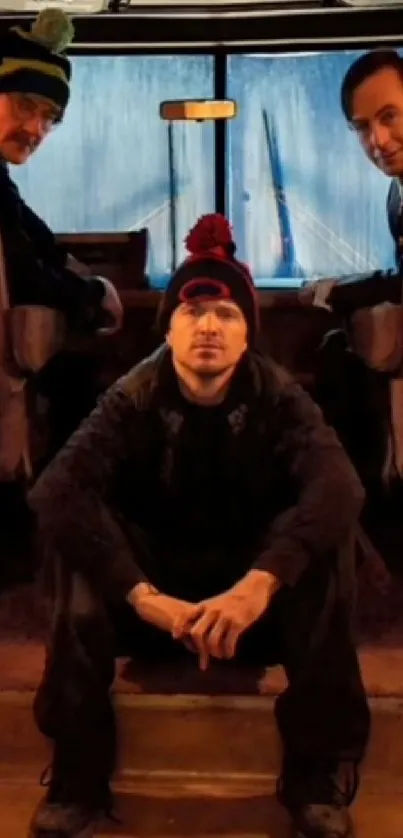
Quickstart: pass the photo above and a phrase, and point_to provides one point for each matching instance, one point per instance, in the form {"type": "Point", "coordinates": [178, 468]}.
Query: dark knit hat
{"type": "Point", "coordinates": [32, 62]}
{"type": "Point", "coordinates": [211, 272]}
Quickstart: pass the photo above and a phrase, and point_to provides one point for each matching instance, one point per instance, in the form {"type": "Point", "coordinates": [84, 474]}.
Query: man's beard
{"type": "Point", "coordinates": [207, 376]}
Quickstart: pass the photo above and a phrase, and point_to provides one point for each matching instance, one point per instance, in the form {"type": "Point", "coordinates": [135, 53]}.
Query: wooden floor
{"type": "Point", "coordinates": [155, 815]}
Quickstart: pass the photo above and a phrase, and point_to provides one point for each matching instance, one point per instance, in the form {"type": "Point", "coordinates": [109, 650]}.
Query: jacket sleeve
{"type": "Point", "coordinates": [71, 497]}
{"type": "Point", "coordinates": [329, 495]}
{"type": "Point", "coordinates": [368, 290]}
{"type": "Point", "coordinates": [47, 247]}
{"type": "Point", "coordinates": [352, 293]}
{"type": "Point", "coordinates": [36, 265]}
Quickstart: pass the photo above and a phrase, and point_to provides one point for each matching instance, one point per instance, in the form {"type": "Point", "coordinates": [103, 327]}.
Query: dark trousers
{"type": "Point", "coordinates": [70, 383]}
{"type": "Point", "coordinates": [322, 715]}
{"type": "Point", "coordinates": [17, 543]}
{"type": "Point", "coordinates": [355, 401]}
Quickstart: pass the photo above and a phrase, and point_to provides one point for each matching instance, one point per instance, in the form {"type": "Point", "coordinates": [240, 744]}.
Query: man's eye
{"type": "Point", "coordinates": [389, 116]}
{"type": "Point", "coordinates": [24, 103]}
{"type": "Point", "coordinates": [226, 313]}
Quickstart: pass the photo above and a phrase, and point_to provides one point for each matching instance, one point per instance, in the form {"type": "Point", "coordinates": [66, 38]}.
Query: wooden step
{"type": "Point", "coordinates": [224, 734]}
{"type": "Point", "coordinates": [181, 812]}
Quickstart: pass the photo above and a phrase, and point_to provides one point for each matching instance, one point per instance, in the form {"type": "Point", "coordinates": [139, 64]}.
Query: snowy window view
{"type": "Point", "coordinates": [106, 168]}
{"type": "Point", "coordinates": [303, 199]}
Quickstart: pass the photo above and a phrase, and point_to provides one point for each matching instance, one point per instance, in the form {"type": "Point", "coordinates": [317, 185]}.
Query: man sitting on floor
{"type": "Point", "coordinates": [206, 507]}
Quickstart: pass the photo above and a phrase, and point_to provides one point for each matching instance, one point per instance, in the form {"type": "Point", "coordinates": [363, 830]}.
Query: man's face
{"type": "Point", "coordinates": [24, 122]}
{"type": "Point", "coordinates": [209, 337]}
{"type": "Point", "coordinates": [377, 116]}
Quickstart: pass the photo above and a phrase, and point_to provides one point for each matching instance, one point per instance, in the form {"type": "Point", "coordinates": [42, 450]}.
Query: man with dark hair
{"type": "Point", "coordinates": [372, 102]}
{"type": "Point", "coordinates": [361, 392]}
{"type": "Point", "coordinates": [364, 68]}
{"type": "Point", "coordinates": [204, 507]}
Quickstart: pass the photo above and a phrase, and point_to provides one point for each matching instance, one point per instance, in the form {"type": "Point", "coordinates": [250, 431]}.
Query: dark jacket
{"type": "Point", "coordinates": [36, 265]}
{"type": "Point", "coordinates": [260, 481]}
{"type": "Point", "coordinates": [364, 291]}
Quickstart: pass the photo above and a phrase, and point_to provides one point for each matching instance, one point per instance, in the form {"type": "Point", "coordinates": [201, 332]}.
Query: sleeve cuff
{"type": "Point", "coordinates": [96, 288]}
{"type": "Point", "coordinates": [285, 563]}
{"type": "Point", "coordinates": [124, 579]}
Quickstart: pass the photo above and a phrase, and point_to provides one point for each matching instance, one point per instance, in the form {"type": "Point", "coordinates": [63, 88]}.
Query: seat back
{"type": "Point", "coordinates": [120, 257]}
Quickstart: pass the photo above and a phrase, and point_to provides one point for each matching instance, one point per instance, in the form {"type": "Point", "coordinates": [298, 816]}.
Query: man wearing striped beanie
{"type": "Point", "coordinates": [34, 92]}
{"type": "Point", "coordinates": [35, 76]}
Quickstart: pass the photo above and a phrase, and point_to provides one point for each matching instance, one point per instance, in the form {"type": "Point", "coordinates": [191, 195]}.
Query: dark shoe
{"type": "Point", "coordinates": [318, 820]}
{"type": "Point", "coordinates": [57, 820]}
{"type": "Point", "coordinates": [318, 796]}
{"type": "Point", "coordinates": [65, 813]}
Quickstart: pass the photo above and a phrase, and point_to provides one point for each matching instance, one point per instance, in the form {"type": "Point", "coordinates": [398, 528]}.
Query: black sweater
{"type": "Point", "coordinates": [260, 482]}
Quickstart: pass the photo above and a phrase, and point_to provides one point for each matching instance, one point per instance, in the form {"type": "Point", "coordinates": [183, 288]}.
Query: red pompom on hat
{"type": "Point", "coordinates": [211, 232]}
{"type": "Point", "coordinates": [211, 272]}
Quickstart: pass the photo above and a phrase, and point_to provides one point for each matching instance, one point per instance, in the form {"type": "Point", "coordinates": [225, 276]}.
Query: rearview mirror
{"type": "Point", "coordinates": [188, 110]}
{"type": "Point", "coordinates": [198, 110]}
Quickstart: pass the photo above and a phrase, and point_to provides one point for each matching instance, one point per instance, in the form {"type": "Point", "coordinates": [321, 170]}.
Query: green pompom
{"type": "Point", "coordinates": [53, 29]}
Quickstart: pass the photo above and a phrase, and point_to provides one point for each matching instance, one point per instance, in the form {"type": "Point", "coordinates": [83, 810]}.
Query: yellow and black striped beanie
{"type": "Point", "coordinates": [33, 62]}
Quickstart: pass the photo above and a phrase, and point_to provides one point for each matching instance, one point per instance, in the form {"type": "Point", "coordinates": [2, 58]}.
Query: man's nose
{"type": "Point", "coordinates": [379, 136]}
{"type": "Point", "coordinates": [208, 322]}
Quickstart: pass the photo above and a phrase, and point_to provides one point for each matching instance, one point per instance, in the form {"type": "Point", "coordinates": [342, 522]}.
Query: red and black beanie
{"type": "Point", "coordinates": [211, 272]}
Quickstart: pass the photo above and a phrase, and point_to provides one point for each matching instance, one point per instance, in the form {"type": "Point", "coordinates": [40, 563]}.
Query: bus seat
{"type": "Point", "coordinates": [120, 257]}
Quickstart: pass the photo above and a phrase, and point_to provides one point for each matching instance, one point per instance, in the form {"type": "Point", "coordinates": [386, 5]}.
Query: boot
{"type": "Point", "coordinates": [58, 820]}
{"type": "Point", "coordinates": [63, 813]}
{"type": "Point", "coordinates": [318, 796]}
